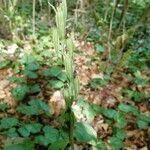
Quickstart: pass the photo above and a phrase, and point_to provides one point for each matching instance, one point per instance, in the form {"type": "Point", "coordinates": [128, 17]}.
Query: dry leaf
{"type": "Point", "coordinates": [57, 103]}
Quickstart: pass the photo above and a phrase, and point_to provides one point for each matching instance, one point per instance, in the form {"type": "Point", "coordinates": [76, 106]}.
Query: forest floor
{"type": "Point", "coordinates": [108, 96]}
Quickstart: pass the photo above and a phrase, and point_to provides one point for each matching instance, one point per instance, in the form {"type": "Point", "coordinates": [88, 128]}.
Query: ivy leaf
{"type": "Point", "coordinates": [84, 132]}
{"type": "Point", "coordinates": [62, 76]}
{"type": "Point", "coordinates": [142, 124]}
{"type": "Point", "coordinates": [59, 145]}
{"type": "Point", "coordinates": [25, 145]}
{"type": "Point", "coordinates": [40, 105]}
{"type": "Point", "coordinates": [24, 132]}
{"type": "Point", "coordinates": [26, 129]}
{"type": "Point", "coordinates": [35, 88]}
{"type": "Point", "coordinates": [99, 48]}
{"type": "Point", "coordinates": [144, 118]}
{"type": "Point", "coordinates": [8, 122]}
{"type": "Point", "coordinates": [42, 140]}
{"type": "Point", "coordinates": [31, 74]}
{"type": "Point", "coordinates": [121, 119]}
{"type": "Point", "coordinates": [3, 107]}
{"type": "Point", "coordinates": [28, 110]}
{"type": "Point", "coordinates": [35, 107]}
{"type": "Point", "coordinates": [57, 84]}
{"type": "Point", "coordinates": [120, 133]}
{"type": "Point", "coordinates": [115, 143]}
{"type": "Point", "coordinates": [12, 133]}
{"type": "Point", "coordinates": [33, 66]}
{"type": "Point", "coordinates": [98, 144]}
{"type": "Point", "coordinates": [20, 92]}
{"type": "Point", "coordinates": [18, 80]}
{"type": "Point", "coordinates": [110, 113]}
{"type": "Point", "coordinates": [128, 108]}
{"type": "Point", "coordinates": [97, 109]}
{"type": "Point", "coordinates": [51, 135]}
{"type": "Point", "coordinates": [52, 72]}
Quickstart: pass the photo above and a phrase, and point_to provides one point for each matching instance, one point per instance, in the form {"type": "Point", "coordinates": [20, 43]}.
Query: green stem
{"type": "Point", "coordinates": [71, 128]}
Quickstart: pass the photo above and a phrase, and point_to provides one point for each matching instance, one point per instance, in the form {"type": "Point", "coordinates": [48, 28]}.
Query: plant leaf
{"type": "Point", "coordinates": [121, 119]}
{"type": "Point", "coordinates": [52, 72]}
{"type": "Point", "coordinates": [25, 145]}
{"type": "Point", "coordinates": [128, 108]}
{"type": "Point", "coordinates": [57, 84]}
{"type": "Point", "coordinates": [8, 122]}
{"type": "Point", "coordinates": [58, 145]}
{"type": "Point", "coordinates": [20, 92]}
{"type": "Point", "coordinates": [3, 106]}
{"type": "Point", "coordinates": [115, 143]}
{"type": "Point", "coordinates": [84, 132]}
{"type": "Point", "coordinates": [26, 129]}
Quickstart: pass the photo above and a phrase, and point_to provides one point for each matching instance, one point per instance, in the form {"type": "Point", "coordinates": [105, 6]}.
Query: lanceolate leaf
{"type": "Point", "coordinates": [84, 132]}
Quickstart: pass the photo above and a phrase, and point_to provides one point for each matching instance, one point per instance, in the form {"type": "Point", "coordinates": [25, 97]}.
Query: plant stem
{"type": "Point", "coordinates": [110, 32]}
{"type": "Point", "coordinates": [71, 128]}
{"type": "Point", "coordinates": [33, 17]}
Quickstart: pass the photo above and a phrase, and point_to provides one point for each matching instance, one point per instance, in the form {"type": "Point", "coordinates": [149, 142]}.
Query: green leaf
{"type": "Point", "coordinates": [142, 124]}
{"type": "Point", "coordinates": [25, 145]}
{"type": "Point", "coordinates": [121, 134]}
{"type": "Point", "coordinates": [121, 119]}
{"type": "Point", "coordinates": [20, 92]}
{"type": "Point", "coordinates": [84, 132]}
{"type": "Point", "coordinates": [98, 82]}
{"type": "Point", "coordinates": [3, 107]}
{"type": "Point", "coordinates": [97, 108]}
{"type": "Point", "coordinates": [33, 66]}
{"type": "Point", "coordinates": [8, 122]}
{"type": "Point", "coordinates": [35, 88]}
{"type": "Point", "coordinates": [42, 140]}
{"type": "Point", "coordinates": [59, 145]}
{"type": "Point", "coordinates": [52, 72]}
{"type": "Point", "coordinates": [40, 105]}
{"type": "Point", "coordinates": [31, 74]}
{"type": "Point", "coordinates": [51, 135]}
{"type": "Point", "coordinates": [98, 144]}
{"type": "Point", "coordinates": [18, 80]}
{"type": "Point", "coordinates": [99, 48]}
{"type": "Point", "coordinates": [128, 108]}
{"type": "Point", "coordinates": [137, 96]}
{"type": "Point", "coordinates": [110, 113]}
{"type": "Point", "coordinates": [57, 84]}
{"type": "Point", "coordinates": [26, 129]}
{"type": "Point", "coordinates": [115, 143]}
{"type": "Point", "coordinates": [4, 63]}
{"type": "Point", "coordinates": [28, 110]}
{"type": "Point", "coordinates": [28, 58]}
{"type": "Point", "coordinates": [144, 118]}
{"type": "Point", "coordinates": [35, 107]}
{"type": "Point", "coordinates": [12, 133]}
{"type": "Point", "coordinates": [62, 76]}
